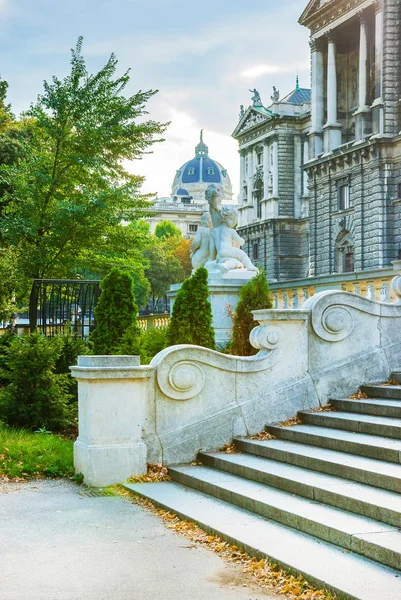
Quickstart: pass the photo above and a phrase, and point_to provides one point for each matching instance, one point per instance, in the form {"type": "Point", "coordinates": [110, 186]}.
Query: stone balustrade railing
{"type": "Point", "coordinates": [373, 285]}
{"type": "Point", "coordinates": [153, 321]}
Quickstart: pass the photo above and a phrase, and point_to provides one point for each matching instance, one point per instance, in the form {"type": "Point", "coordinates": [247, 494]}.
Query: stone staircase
{"type": "Point", "coordinates": [322, 498]}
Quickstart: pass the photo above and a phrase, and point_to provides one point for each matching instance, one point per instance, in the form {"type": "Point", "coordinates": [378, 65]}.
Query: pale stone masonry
{"type": "Point", "coordinates": [337, 206]}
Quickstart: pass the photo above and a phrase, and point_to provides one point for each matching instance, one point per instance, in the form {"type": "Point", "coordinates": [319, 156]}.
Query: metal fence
{"type": "Point", "coordinates": [56, 304]}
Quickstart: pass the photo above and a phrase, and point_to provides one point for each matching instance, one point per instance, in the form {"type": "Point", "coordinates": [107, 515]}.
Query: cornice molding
{"type": "Point", "coordinates": [320, 18]}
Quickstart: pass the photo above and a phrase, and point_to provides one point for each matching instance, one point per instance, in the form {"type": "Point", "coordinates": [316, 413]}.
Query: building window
{"type": "Point", "coordinates": [191, 171]}
{"type": "Point", "coordinates": [210, 171]}
{"type": "Point", "coordinates": [345, 253]}
{"type": "Point", "coordinates": [259, 158]}
{"type": "Point", "coordinates": [399, 191]}
{"type": "Point", "coordinates": [343, 196]}
{"type": "Point", "coordinates": [255, 251]}
{"type": "Point", "coordinates": [192, 228]}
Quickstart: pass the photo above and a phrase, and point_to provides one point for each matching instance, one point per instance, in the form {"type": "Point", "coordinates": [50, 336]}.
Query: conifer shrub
{"type": "Point", "coordinates": [71, 348]}
{"type": "Point", "coordinates": [117, 330]}
{"type": "Point", "coordinates": [254, 295]}
{"type": "Point", "coordinates": [36, 396]}
{"type": "Point", "coordinates": [191, 320]}
{"type": "Point", "coordinates": [153, 341]}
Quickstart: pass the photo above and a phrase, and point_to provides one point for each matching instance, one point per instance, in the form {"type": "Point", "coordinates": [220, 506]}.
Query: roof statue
{"type": "Point", "coordinates": [241, 111]}
{"type": "Point", "coordinates": [275, 95]}
{"type": "Point", "coordinates": [256, 99]}
{"type": "Point", "coordinates": [201, 149]}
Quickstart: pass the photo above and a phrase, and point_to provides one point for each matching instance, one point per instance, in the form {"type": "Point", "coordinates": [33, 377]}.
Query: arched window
{"type": "Point", "coordinates": [345, 253]}
{"type": "Point", "coordinates": [191, 171]}
{"type": "Point", "coordinates": [210, 171]}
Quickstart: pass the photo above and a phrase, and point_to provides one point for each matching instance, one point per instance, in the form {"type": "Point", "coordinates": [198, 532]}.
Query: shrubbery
{"type": "Point", "coordinates": [152, 342]}
{"type": "Point", "coordinates": [191, 321]}
{"type": "Point", "coordinates": [36, 396]}
{"type": "Point", "coordinates": [117, 330]}
{"type": "Point", "coordinates": [254, 295]}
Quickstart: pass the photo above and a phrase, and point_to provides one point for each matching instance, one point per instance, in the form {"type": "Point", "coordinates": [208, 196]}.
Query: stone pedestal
{"type": "Point", "coordinates": [224, 294]}
{"type": "Point", "coordinates": [111, 408]}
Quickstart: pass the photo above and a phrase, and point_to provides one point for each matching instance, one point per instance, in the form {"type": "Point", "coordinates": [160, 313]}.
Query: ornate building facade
{"type": "Point", "coordinates": [273, 202]}
{"type": "Point", "coordinates": [354, 167]}
{"type": "Point", "coordinates": [321, 181]}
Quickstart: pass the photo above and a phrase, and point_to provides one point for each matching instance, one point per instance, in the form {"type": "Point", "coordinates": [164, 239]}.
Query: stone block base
{"type": "Point", "coordinates": [106, 465]}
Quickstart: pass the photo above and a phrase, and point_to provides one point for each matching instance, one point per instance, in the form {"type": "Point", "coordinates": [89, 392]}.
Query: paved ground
{"type": "Point", "coordinates": [58, 544]}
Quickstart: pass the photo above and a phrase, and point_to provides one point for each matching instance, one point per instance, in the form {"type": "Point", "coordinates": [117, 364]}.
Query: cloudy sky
{"type": "Point", "coordinates": [201, 56]}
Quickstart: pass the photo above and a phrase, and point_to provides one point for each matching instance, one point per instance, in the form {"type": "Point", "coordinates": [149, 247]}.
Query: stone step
{"type": "Point", "coordinates": [322, 564]}
{"type": "Point", "coordinates": [370, 538]}
{"type": "Point", "coordinates": [381, 505]}
{"type": "Point", "coordinates": [370, 471]}
{"type": "Point", "coordinates": [382, 391]}
{"type": "Point", "coordinates": [373, 446]}
{"type": "Point", "coordinates": [396, 376]}
{"type": "Point", "coordinates": [372, 406]}
{"type": "Point", "coordinates": [382, 426]}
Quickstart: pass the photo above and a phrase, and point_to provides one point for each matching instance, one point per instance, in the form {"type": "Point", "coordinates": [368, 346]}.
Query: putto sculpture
{"type": "Point", "coordinates": [219, 249]}
{"type": "Point", "coordinates": [200, 245]}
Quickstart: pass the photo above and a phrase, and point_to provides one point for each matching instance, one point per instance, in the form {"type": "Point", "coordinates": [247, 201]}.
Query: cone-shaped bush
{"type": "Point", "coordinates": [254, 295]}
{"type": "Point", "coordinates": [191, 321]}
{"type": "Point", "coordinates": [117, 330]}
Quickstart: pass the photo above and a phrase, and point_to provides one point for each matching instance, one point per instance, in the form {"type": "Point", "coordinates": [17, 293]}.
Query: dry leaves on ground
{"type": "Point", "coordinates": [229, 449]}
{"type": "Point", "coordinates": [324, 408]}
{"type": "Point", "coordinates": [155, 473]}
{"type": "Point", "coordinates": [260, 571]}
{"type": "Point", "coordinates": [359, 395]}
{"type": "Point", "coordinates": [291, 422]}
{"type": "Point", "coordinates": [390, 382]}
{"type": "Point", "coordinates": [262, 436]}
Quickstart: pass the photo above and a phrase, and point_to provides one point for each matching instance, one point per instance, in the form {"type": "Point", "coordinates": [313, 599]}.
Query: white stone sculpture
{"type": "Point", "coordinates": [224, 250]}
{"type": "Point", "coordinates": [225, 244]}
{"type": "Point", "coordinates": [200, 245]}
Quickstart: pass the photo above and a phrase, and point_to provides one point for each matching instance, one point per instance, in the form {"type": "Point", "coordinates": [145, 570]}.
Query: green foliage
{"type": "Point", "coordinates": [164, 268]}
{"type": "Point", "coordinates": [65, 197]}
{"type": "Point", "coordinates": [166, 230]}
{"type": "Point", "coordinates": [5, 343]}
{"type": "Point", "coordinates": [117, 330]}
{"type": "Point", "coordinates": [191, 321]}
{"type": "Point", "coordinates": [24, 454]}
{"type": "Point", "coordinates": [35, 395]}
{"type": "Point", "coordinates": [71, 348]}
{"type": "Point", "coordinates": [153, 341]}
{"type": "Point", "coordinates": [254, 295]}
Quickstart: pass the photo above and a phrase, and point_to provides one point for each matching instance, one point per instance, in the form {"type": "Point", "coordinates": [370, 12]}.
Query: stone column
{"type": "Point", "coordinates": [317, 107]}
{"type": "Point", "coordinates": [265, 170]}
{"type": "Point", "coordinates": [378, 104]}
{"type": "Point", "coordinates": [242, 175]}
{"type": "Point", "coordinates": [275, 167]}
{"type": "Point", "coordinates": [305, 188]}
{"type": "Point", "coordinates": [250, 175]}
{"type": "Point", "coordinates": [332, 127]}
{"type": "Point", "coordinates": [362, 124]}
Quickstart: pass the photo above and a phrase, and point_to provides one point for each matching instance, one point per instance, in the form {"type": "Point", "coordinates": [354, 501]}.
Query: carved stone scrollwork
{"type": "Point", "coordinates": [265, 338]}
{"type": "Point", "coordinates": [183, 380]}
{"type": "Point", "coordinates": [332, 318]}
{"type": "Point", "coordinates": [337, 322]}
{"type": "Point", "coordinates": [395, 287]}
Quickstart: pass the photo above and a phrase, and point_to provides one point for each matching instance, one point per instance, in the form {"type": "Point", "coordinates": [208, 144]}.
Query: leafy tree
{"type": "Point", "coordinates": [71, 186]}
{"type": "Point", "coordinates": [35, 395]}
{"type": "Point", "coordinates": [166, 230]}
{"type": "Point", "coordinates": [254, 295]}
{"type": "Point", "coordinates": [164, 268]}
{"type": "Point", "coordinates": [117, 330]}
{"type": "Point", "coordinates": [191, 321]}
{"type": "Point", "coordinates": [182, 252]}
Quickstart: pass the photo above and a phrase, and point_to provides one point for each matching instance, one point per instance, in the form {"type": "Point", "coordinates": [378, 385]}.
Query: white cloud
{"type": "Point", "coordinates": [259, 70]}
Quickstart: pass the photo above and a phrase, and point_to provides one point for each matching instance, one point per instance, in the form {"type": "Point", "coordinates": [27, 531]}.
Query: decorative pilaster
{"type": "Point", "coordinates": [266, 171]}
{"type": "Point", "coordinates": [317, 108]}
{"type": "Point", "coordinates": [242, 176]}
{"type": "Point", "coordinates": [250, 175]}
{"type": "Point", "coordinates": [332, 127]}
{"type": "Point", "coordinates": [378, 104]}
{"type": "Point", "coordinates": [362, 120]}
{"type": "Point", "coordinates": [275, 167]}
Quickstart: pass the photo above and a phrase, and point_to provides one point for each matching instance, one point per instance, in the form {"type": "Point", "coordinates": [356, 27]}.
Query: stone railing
{"type": "Point", "coordinates": [153, 321]}
{"type": "Point", "coordinates": [374, 285]}
{"type": "Point", "coordinates": [191, 398]}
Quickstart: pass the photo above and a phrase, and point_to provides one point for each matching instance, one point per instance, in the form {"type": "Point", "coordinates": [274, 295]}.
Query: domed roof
{"type": "Point", "coordinates": [201, 170]}
{"type": "Point", "coordinates": [181, 192]}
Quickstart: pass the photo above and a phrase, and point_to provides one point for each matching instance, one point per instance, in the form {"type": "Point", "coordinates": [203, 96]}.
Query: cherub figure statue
{"type": "Point", "coordinates": [199, 249]}
{"type": "Point", "coordinates": [225, 244]}
{"type": "Point", "coordinates": [215, 196]}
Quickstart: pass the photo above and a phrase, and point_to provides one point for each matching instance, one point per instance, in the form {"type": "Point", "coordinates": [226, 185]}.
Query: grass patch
{"type": "Point", "coordinates": [24, 454]}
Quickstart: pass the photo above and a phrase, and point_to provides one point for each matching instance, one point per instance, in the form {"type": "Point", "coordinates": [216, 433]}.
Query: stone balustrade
{"type": "Point", "coordinates": [374, 285]}
{"type": "Point", "coordinates": [153, 321]}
